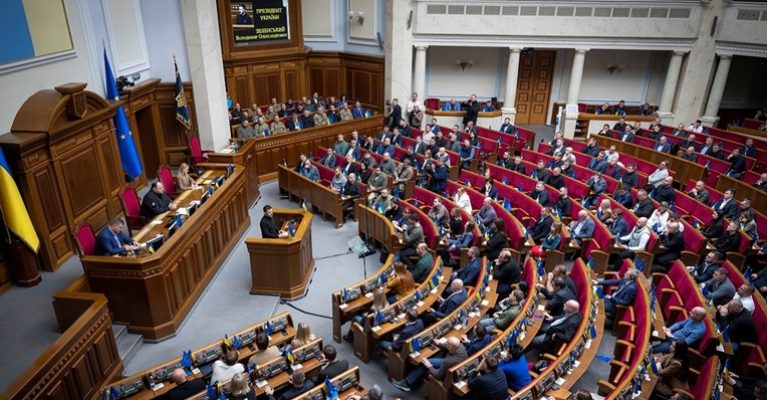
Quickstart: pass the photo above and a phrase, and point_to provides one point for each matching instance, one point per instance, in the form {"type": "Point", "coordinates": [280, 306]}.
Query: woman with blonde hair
{"type": "Point", "coordinates": [185, 181]}
{"type": "Point", "coordinates": [402, 284]}
{"type": "Point", "coordinates": [240, 389]}
{"type": "Point", "coordinates": [303, 334]}
{"type": "Point", "coordinates": [379, 303]}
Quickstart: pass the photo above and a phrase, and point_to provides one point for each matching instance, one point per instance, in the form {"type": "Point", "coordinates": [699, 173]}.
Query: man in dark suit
{"type": "Point", "coordinates": [518, 165]}
{"type": "Point", "coordinates": [540, 229]}
{"type": "Point", "coordinates": [540, 194]}
{"type": "Point", "coordinates": [307, 121]}
{"type": "Point", "coordinates": [705, 270]}
{"type": "Point", "coordinates": [582, 229]}
{"type": "Point", "coordinates": [184, 388]}
{"type": "Point", "coordinates": [738, 164]}
{"type": "Point", "coordinates": [624, 294]}
{"type": "Point", "coordinates": [447, 305]}
{"type": "Point", "coordinates": [299, 385]}
{"type": "Point", "coordinates": [727, 205]}
{"type": "Point", "coordinates": [719, 289]}
{"type": "Point", "coordinates": [665, 192]}
{"type": "Point", "coordinates": [748, 149]}
{"type": "Point", "coordinates": [592, 148]}
{"type": "Point", "coordinates": [662, 145]}
{"type": "Point", "coordinates": [395, 115]}
{"type": "Point", "coordinates": [644, 206]}
{"type": "Point", "coordinates": [156, 202]}
{"type": "Point", "coordinates": [627, 135]}
{"type": "Point", "coordinates": [739, 323]}
{"type": "Point", "coordinates": [560, 295]}
{"type": "Point", "coordinates": [561, 329]}
{"type": "Point", "coordinates": [599, 163]}
{"type": "Point", "coordinates": [112, 240]}
{"type": "Point", "coordinates": [673, 244]}
{"type": "Point", "coordinates": [295, 124]}
{"type": "Point", "coordinates": [332, 367]}
{"type": "Point", "coordinates": [329, 159]}
{"type": "Point", "coordinates": [620, 125]}
{"type": "Point", "coordinates": [351, 192]}
{"type": "Point", "coordinates": [413, 325]}
{"type": "Point", "coordinates": [490, 384]}
{"type": "Point", "coordinates": [506, 273]}
{"type": "Point", "coordinates": [470, 272]}
{"type": "Point", "coordinates": [269, 229]}
{"type": "Point", "coordinates": [507, 127]}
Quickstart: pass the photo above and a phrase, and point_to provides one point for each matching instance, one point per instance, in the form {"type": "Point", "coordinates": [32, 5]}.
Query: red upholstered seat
{"type": "Point", "coordinates": [196, 152]}
{"type": "Point", "coordinates": [132, 208]}
{"type": "Point", "coordinates": [86, 239]}
{"type": "Point", "coordinates": [579, 279]}
{"type": "Point", "coordinates": [166, 177]}
{"type": "Point", "coordinates": [432, 103]}
{"type": "Point", "coordinates": [694, 240]}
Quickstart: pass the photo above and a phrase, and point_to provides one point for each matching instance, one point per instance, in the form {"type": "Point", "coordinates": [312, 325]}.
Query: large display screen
{"type": "Point", "coordinates": [259, 21]}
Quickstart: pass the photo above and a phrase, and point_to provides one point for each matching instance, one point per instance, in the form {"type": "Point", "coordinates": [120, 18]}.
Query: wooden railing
{"type": "Point", "coordinates": [78, 364]}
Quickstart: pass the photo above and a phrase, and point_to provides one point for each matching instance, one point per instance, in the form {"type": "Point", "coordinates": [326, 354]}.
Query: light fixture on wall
{"type": "Point", "coordinates": [463, 64]}
{"type": "Point", "coordinates": [357, 16]}
{"type": "Point", "coordinates": [614, 68]}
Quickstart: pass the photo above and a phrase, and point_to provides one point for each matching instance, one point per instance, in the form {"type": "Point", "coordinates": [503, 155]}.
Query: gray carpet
{"type": "Point", "coordinates": [225, 306]}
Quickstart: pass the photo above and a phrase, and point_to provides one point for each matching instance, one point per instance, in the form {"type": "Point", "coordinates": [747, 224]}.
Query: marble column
{"type": "Point", "coordinates": [510, 89]}
{"type": "Point", "coordinates": [571, 104]}
{"type": "Point", "coordinates": [420, 72]}
{"type": "Point", "coordinates": [201, 35]}
{"type": "Point", "coordinates": [398, 50]}
{"type": "Point", "coordinates": [716, 92]}
{"type": "Point", "coordinates": [670, 86]}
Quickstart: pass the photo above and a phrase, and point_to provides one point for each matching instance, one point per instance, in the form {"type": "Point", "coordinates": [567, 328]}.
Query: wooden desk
{"type": "Point", "coordinates": [283, 266]}
{"type": "Point", "coordinates": [743, 191]}
{"type": "Point", "coordinates": [245, 156]}
{"type": "Point", "coordinates": [347, 384]}
{"type": "Point", "coordinates": [153, 293]}
{"type": "Point", "coordinates": [374, 226]}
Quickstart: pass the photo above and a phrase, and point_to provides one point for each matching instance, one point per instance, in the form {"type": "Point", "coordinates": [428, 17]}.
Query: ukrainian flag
{"type": "Point", "coordinates": [13, 209]}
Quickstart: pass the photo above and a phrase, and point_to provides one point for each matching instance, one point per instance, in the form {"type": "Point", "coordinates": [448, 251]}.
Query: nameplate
{"type": "Point", "coordinates": [419, 304]}
{"type": "Point", "coordinates": [442, 341]}
{"type": "Point", "coordinates": [196, 371]}
{"type": "Point", "coordinates": [156, 222]}
{"type": "Point", "coordinates": [415, 355]}
{"type": "Point", "coordinates": [433, 291]}
{"type": "Point", "coordinates": [655, 333]}
{"type": "Point", "coordinates": [588, 344]}
{"type": "Point", "coordinates": [560, 381]}
{"type": "Point", "coordinates": [343, 306]}
{"type": "Point", "coordinates": [541, 307]}
{"type": "Point", "coordinates": [461, 384]}
{"type": "Point", "coordinates": [157, 386]}
{"type": "Point", "coordinates": [376, 328]}
{"type": "Point", "coordinates": [458, 327]}
{"type": "Point", "coordinates": [369, 295]}
{"type": "Point", "coordinates": [296, 367]}
{"type": "Point", "coordinates": [261, 384]}
{"type": "Point", "coordinates": [484, 303]}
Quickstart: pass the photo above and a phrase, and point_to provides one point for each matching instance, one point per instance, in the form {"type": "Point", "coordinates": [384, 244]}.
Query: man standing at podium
{"type": "Point", "coordinates": [268, 226]}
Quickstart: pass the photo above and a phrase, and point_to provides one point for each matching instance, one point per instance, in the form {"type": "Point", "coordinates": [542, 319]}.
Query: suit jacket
{"type": "Point", "coordinates": [728, 208]}
{"type": "Point", "coordinates": [738, 164]}
{"type": "Point", "coordinates": [507, 128]}
{"type": "Point", "coordinates": [748, 151]}
{"type": "Point", "coordinates": [154, 204]}
{"type": "Point", "coordinates": [703, 272]}
{"type": "Point", "coordinates": [453, 301]}
{"type": "Point", "coordinates": [598, 165]}
{"type": "Point", "coordinates": [720, 292]}
{"type": "Point", "coordinates": [741, 327]}
{"type": "Point", "coordinates": [630, 178]}
{"type": "Point", "coordinates": [563, 332]}
{"type": "Point", "coordinates": [410, 329]}
{"type": "Point", "coordinates": [643, 208]}
{"type": "Point", "coordinates": [469, 273]}
{"type": "Point", "coordinates": [663, 148]}
{"type": "Point", "coordinates": [329, 161]}
{"type": "Point", "coordinates": [592, 150]}
{"type": "Point", "coordinates": [331, 370]}
{"type": "Point", "coordinates": [540, 229]}
{"type": "Point", "coordinates": [295, 391]}
{"type": "Point", "coordinates": [109, 244]}
{"type": "Point", "coordinates": [728, 242]}
{"type": "Point", "coordinates": [350, 168]}
{"type": "Point", "coordinates": [585, 231]}
{"type": "Point", "coordinates": [619, 227]}
{"type": "Point", "coordinates": [627, 137]}
{"type": "Point", "coordinates": [625, 294]}
{"type": "Point", "coordinates": [488, 386]}
{"type": "Point", "coordinates": [673, 243]}
{"type": "Point", "coordinates": [555, 304]}
{"type": "Point", "coordinates": [185, 390]}
{"type": "Point", "coordinates": [506, 275]}
{"type": "Point", "coordinates": [542, 197]}
{"type": "Point", "coordinates": [295, 125]}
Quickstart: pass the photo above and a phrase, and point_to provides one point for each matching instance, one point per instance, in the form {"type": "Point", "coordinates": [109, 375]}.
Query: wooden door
{"type": "Point", "coordinates": [533, 86]}
{"type": "Point", "coordinates": [150, 154]}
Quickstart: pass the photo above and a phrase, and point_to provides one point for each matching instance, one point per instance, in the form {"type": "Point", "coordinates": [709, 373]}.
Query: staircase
{"type": "Point", "coordinates": [128, 344]}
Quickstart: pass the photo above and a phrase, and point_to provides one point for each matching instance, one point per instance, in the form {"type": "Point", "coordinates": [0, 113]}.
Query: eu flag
{"type": "Point", "coordinates": [129, 156]}
{"type": "Point", "coordinates": [182, 112]}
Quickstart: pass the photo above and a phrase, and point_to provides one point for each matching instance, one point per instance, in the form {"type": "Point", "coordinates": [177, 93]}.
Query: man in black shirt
{"type": "Point", "coordinates": [268, 226]}
{"type": "Point", "coordinates": [184, 388]}
{"type": "Point", "coordinates": [156, 202]}
{"type": "Point", "coordinates": [491, 383]}
{"type": "Point", "coordinates": [299, 385]}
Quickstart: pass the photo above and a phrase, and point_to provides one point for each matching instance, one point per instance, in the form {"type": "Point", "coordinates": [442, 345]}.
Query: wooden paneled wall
{"type": "Point", "coordinates": [81, 361]}
{"type": "Point", "coordinates": [258, 80]}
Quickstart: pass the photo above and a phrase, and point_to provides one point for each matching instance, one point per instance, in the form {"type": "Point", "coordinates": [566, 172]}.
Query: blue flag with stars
{"type": "Point", "coordinates": [129, 156]}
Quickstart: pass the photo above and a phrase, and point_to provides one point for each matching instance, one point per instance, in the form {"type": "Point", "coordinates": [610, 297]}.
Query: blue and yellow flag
{"type": "Point", "coordinates": [129, 156]}
{"type": "Point", "coordinates": [13, 209]}
{"type": "Point", "coordinates": [182, 111]}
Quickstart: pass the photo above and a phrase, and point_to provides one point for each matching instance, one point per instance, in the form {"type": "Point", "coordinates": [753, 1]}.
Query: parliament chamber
{"type": "Point", "coordinates": [369, 199]}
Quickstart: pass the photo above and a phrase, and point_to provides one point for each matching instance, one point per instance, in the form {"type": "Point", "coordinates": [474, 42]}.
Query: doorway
{"type": "Point", "coordinates": [534, 82]}
{"type": "Point", "coordinates": [149, 148]}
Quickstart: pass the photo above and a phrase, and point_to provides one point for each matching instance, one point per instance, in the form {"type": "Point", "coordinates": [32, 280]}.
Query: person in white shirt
{"type": "Point", "coordinates": [657, 177]}
{"type": "Point", "coordinates": [660, 217]}
{"type": "Point", "coordinates": [224, 370]}
{"type": "Point", "coordinates": [461, 198]}
{"type": "Point", "coordinates": [414, 101]}
{"type": "Point", "coordinates": [744, 295]}
{"type": "Point", "coordinates": [696, 127]}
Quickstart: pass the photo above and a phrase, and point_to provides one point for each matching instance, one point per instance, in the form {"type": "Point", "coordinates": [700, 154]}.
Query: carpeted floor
{"type": "Point", "coordinates": [226, 306]}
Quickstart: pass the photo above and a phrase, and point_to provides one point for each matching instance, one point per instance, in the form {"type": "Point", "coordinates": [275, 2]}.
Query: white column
{"type": "Point", "coordinates": [510, 90]}
{"type": "Point", "coordinates": [420, 72]}
{"type": "Point", "coordinates": [201, 34]}
{"type": "Point", "coordinates": [398, 50]}
{"type": "Point", "coordinates": [716, 93]}
{"type": "Point", "coordinates": [670, 86]}
{"type": "Point", "coordinates": [572, 106]}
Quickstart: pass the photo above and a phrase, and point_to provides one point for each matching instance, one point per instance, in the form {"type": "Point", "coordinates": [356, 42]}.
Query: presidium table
{"type": "Point", "coordinates": [152, 292]}
{"type": "Point", "coordinates": [283, 266]}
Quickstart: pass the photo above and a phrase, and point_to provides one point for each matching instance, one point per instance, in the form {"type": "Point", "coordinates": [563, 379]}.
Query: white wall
{"type": "Point", "coordinates": [484, 77]}
{"type": "Point", "coordinates": [164, 29]}
{"type": "Point", "coordinates": [327, 27]}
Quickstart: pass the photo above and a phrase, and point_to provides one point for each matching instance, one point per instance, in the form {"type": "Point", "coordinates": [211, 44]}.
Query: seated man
{"type": "Point", "coordinates": [664, 192]}
{"type": "Point", "coordinates": [739, 324]}
{"type": "Point", "coordinates": [689, 330]}
{"type": "Point", "coordinates": [540, 194]}
{"type": "Point", "coordinates": [486, 215]}
{"type": "Point", "coordinates": [455, 298]}
{"type": "Point", "coordinates": [706, 270]}
{"type": "Point", "coordinates": [560, 295]}
{"type": "Point", "coordinates": [309, 171]}
{"type": "Point", "coordinates": [413, 326]}
{"type": "Point", "coordinates": [112, 240]}
{"type": "Point", "coordinates": [299, 385]}
{"type": "Point", "coordinates": [582, 229]}
{"type": "Point", "coordinates": [423, 266]}
{"type": "Point", "coordinates": [560, 330]}
{"type": "Point", "coordinates": [541, 227]}
{"type": "Point", "coordinates": [266, 352]}
{"type": "Point", "coordinates": [332, 367]}
{"type": "Point", "coordinates": [719, 289]}
{"type": "Point", "coordinates": [436, 366]}
{"type": "Point", "coordinates": [506, 311]}
{"type": "Point", "coordinates": [490, 383]}
{"type": "Point", "coordinates": [156, 202]}
{"type": "Point", "coordinates": [624, 294]}
{"type": "Point", "coordinates": [470, 272]}
{"type": "Point", "coordinates": [184, 388]}
{"type": "Point", "coordinates": [506, 272]}
{"type": "Point", "coordinates": [635, 241]}
{"type": "Point", "coordinates": [700, 193]}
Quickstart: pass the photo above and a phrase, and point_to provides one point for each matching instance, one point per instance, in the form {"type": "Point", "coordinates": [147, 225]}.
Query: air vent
{"type": "Point", "coordinates": [474, 10]}
{"type": "Point", "coordinates": [583, 11]}
{"type": "Point", "coordinates": [436, 9]}
{"type": "Point", "coordinates": [546, 11]}
{"type": "Point", "coordinates": [748, 15]}
{"type": "Point", "coordinates": [620, 12]}
{"type": "Point", "coordinates": [659, 12]}
{"type": "Point", "coordinates": [509, 10]}
{"type": "Point", "coordinates": [679, 12]}
{"type": "Point", "coordinates": [527, 10]}
{"type": "Point", "coordinates": [565, 11]}
{"type": "Point", "coordinates": [640, 12]}
{"type": "Point", "coordinates": [456, 10]}
{"type": "Point", "coordinates": [602, 12]}
{"type": "Point", "coordinates": [491, 10]}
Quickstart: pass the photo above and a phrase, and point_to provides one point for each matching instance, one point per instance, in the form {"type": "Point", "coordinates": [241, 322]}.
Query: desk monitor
{"type": "Point", "coordinates": [469, 369]}
{"type": "Point", "coordinates": [272, 368]}
{"type": "Point", "coordinates": [526, 396]}
{"type": "Point", "coordinates": [346, 382]}
{"type": "Point", "coordinates": [425, 339]}
{"type": "Point", "coordinates": [442, 329]}
{"type": "Point", "coordinates": [193, 207]}
{"type": "Point", "coordinates": [218, 180]}
{"type": "Point", "coordinates": [306, 352]}
{"type": "Point", "coordinates": [129, 388]}
{"type": "Point", "coordinates": [317, 394]}
{"type": "Point", "coordinates": [408, 303]}
{"type": "Point", "coordinates": [207, 355]}
{"type": "Point", "coordinates": [351, 294]}
{"type": "Point", "coordinates": [423, 291]}
{"type": "Point", "coordinates": [371, 286]}
{"type": "Point", "coordinates": [204, 197]}
{"type": "Point", "coordinates": [155, 242]}
{"type": "Point", "coordinates": [279, 324]}
{"type": "Point", "coordinates": [495, 351]}
{"type": "Point", "coordinates": [247, 337]}
{"type": "Point", "coordinates": [172, 227]}
{"type": "Point", "coordinates": [387, 314]}
{"type": "Point", "coordinates": [162, 374]}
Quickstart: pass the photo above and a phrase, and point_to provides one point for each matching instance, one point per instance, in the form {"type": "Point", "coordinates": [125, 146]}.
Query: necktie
{"type": "Point", "coordinates": [117, 240]}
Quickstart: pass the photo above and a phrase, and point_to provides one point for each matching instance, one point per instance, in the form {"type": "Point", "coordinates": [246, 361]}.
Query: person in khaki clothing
{"type": "Point", "coordinates": [320, 118]}
{"type": "Point", "coordinates": [262, 128]}
{"type": "Point", "coordinates": [278, 126]}
{"type": "Point", "coordinates": [345, 113]}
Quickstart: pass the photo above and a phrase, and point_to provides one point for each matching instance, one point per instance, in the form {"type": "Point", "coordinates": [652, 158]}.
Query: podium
{"type": "Point", "coordinates": [283, 266]}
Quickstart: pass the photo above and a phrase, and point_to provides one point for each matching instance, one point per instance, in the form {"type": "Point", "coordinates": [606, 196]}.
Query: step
{"type": "Point", "coordinates": [128, 346]}
{"type": "Point", "coordinates": [118, 331]}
